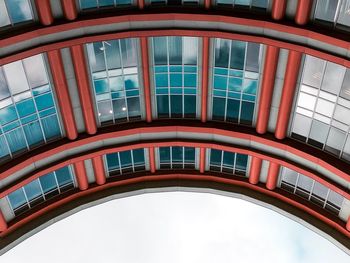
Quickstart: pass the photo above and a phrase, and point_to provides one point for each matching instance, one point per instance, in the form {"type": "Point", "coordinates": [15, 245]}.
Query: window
{"type": "Point", "coordinates": [235, 81]}
{"type": "Point", "coordinates": [13, 12]}
{"type": "Point", "coordinates": [175, 68]}
{"type": "Point", "coordinates": [126, 162]}
{"type": "Point", "coordinates": [323, 106]}
{"type": "Point", "coordinates": [228, 162]}
{"type": "Point", "coordinates": [115, 77]}
{"type": "Point", "coordinates": [177, 157]}
{"type": "Point", "coordinates": [41, 189]}
{"type": "Point", "coordinates": [333, 12]}
{"type": "Point", "coordinates": [311, 190]}
{"type": "Point", "coordinates": [28, 114]}
{"type": "Point", "coordinates": [92, 4]}
{"type": "Point", "coordinates": [261, 4]}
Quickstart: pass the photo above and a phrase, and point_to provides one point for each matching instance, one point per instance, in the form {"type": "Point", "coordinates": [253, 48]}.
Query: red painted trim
{"type": "Point", "coordinates": [3, 223]}
{"type": "Point", "coordinates": [255, 169]}
{"type": "Point", "coordinates": [207, 4]}
{"type": "Point", "coordinates": [154, 178]}
{"type": "Point", "coordinates": [152, 159]}
{"type": "Point", "coordinates": [267, 87]}
{"type": "Point", "coordinates": [83, 84]}
{"type": "Point", "coordinates": [205, 78]}
{"type": "Point", "coordinates": [272, 176]}
{"type": "Point", "coordinates": [278, 9]}
{"type": "Point", "coordinates": [80, 175]}
{"type": "Point", "coordinates": [61, 88]}
{"type": "Point", "coordinates": [141, 4]}
{"type": "Point", "coordinates": [69, 9]}
{"type": "Point", "coordinates": [302, 14]}
{"type": "Point", "coordinates": [99, 170]}
{"type": "Point", "coordinates": [288, 92]}
{"type": "Point", "coordinates": [43, 7]}
{"type": "Point", "coordinates": [348, 224]}
{"type": "Point", "coordinates": [263, 25]}
{"type": "Point", "coordinates": [156, 130]}
{"type": "Point", "coordinates": [202, 159]}
{"type": "Point", "coordinates": [146, 78]}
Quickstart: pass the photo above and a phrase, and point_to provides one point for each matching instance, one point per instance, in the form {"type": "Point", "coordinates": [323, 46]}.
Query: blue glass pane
{"type": "Point", "coordinates": [41, 90]}
{"type": "Point", "coordinates": [190, 154]}
{"type": "Point", "coordinates": [164, 154]}
{"type": "Point", "coordinates": [175, 80]}
{"type": "Point", "coordinates": [192, 69]}
{"type": "Point", "coordinates": [176, 104]}
{"type": "Point", "coordinates": [221, 71]}
{"type": "Point", "coordinates": [118, 95]}
{"type": "Point", "coordinates": [162, 80]}
{"type": "Point", "coordinates": [190, 91]}
{"type": "Point", "coordinates": [241, 161]}
{"type": "Point", "coordinates": [134, 107]}
{"type": "Point", "coordinates": [7, 115]}
{"type": "Point", "coordinates": [225, 2]}
{"type": "Point", "coordinates": [47, 112]}
{"type": "Point", "coordinates": [215, 157]}
{"type": "Point", "coordinates": [112, 161]}
{"type": "Point", "coordinates": [88, 4]}
{"type": "Point", "coordinates": [248, 97]}
{"type": "Point", "coordinates": [106, 2]}
{"type": "Point", "coordinates": [237, 54]}
{"type": "Point", "coordinates": [125, 158]}
{"type": "Point", "coordinates": [131, 82]}
{"type": "Point", "coordinates": [232, 110]}
{"type": "Point", "coordinates": [3, 147]}
{"type": "Point", "coordinates": [235, 84]}
{"type": "Point", "coordinates": [229, 159]}
{"type": "Point", "coordinates": [26, 107]}
{"type": "Point", "coordinates": [160, 50]}
{"type": "Point", "coordinates": [11, 126]}
{"type": "Point", "coordinates": [33, 133]}
{"type": "Point", "coordinates": [218, 108]}
{"type": "Point", "coordinates": [163, 105]}
{"type": "Point", "coordinates": [160, 69]}
{"type": "Point", "coordinates": [44, 101]}
{"type": "Point", "coordinates": [190, 105]}
{"type": "Point", "coordinates": [222, 49]}
{"type": "Point", "coordinates": [175, 69]}
{"type": "Point", "coordinates": [48, 182]}
{"type": "Point", "coordinates": [220, 93]}
{"type": "Point", "coordinates": [260, 3]}
{"type": "Point", "coordinates": [123, 2]}
{"type": "Point", "coordinates": [32, 190]}
{"type": "Point", "coordinates": [220, 82]}
{"type": "Point", "coordinates": [250, 86]}
{"type": "Point", "coordinates": [131, 93]}
{"type": "Point", "coordinates": [63, 176]}
{"type": "Point", "coordinates": [101, 85]}
{"type": "Point", "coordinates": [16, 140]}
{"type": "Point", "coordinates": [175, 50]}
{"type": "Point", "coordinates": [247, 112]}
{"type": "Point", "coordinates": [242, 2]}
{"type": "Point", "coordinates": [19, 10]}
{"type": "Point", "coordinates": [17, 198]}
{"type": "Point", "coordinates": [28, 119]}
{"type": "Point", "coordinates": [139, 156]}
{"type": "Point", "coordinates": [177, 154]}
{"type": "Point", "coordinates": [190, 80]}
{"type": "Point", "coordinates": [234, 95]}
{"type": "Point", "coordinates": [51, 127]}
{"type": "Point", "coordinates": [176, 91]}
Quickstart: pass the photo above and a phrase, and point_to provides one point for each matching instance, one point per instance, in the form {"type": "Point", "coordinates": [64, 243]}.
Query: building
{"type": "Point", "coordinates": [101, 98]}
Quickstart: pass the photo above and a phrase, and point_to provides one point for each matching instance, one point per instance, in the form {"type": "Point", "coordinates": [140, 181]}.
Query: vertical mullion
{"type": "Point", "coordinates": [58, 186]}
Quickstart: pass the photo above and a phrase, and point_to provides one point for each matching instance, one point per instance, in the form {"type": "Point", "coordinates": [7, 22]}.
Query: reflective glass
{"type": "Point", "coordinates": [176, 157]}
{"type": "Point", "coordinates": [88, 4]}
{"type": "Point", "coordinates": [64, 176]}
{"type": "Point", "coordinates": [326, 9]}
{"type": "Point", "coordinates": [17, 198]}
{"type": "Point", "coordinates": [32, 190]}
{"type": "Point", "coordinates": [228, 162]}
{"type": "Point", "coordinates": [48, 182]}
{"type": "Point", "coordinates": [4, 16]}
{"type": "Point", "coordinates": [17, 10]}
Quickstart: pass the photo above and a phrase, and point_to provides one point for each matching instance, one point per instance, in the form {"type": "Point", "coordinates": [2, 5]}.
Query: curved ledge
{"type": "Point", "coordinates": [76, 201]}
{"type": "Point", "coordinates": [158, 24]}
{"type": "Point", "coordinates": [240, 141]}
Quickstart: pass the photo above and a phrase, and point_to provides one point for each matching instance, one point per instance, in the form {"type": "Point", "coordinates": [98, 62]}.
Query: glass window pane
{"type": "Point", "coordinates": [19, 10]}
{"type": "Point", "coordinates": [289, 176]}
{"type": "Point", "coordinates": [302, 125]}
{"type": "Point", "coordinates": [96, 56]}
{"type": "Point", "coordinates": [218, 108]}
{"type": "Point", "coordinates": [16, 78]}
{"type": "Point", "coordinates": [252, 60]}
{"type": "Point", "coordinates": [4, 91]}
{"type": "Point", "coordinates": [134, 107]}
{"type": "Point", "coordinates": [32, 190]}
{"type": "Point", "coordinates": [35, 69]}
{"type": "Point", "coordinates": [63, 176]}
{"type": "Point", "coordinates": [164, 154]}
{"type": "Point", "coordinates": [241, 161]}
{"type": "Point", "coordinates": [237, 54]}
{"type": "Point", "coordinates": [228, 159]}
{"type": "Point", "coordinates": [139, 156]}
{"type": "Point", "coordinates": [335, 141]}
{"type": "Point", "coordinates": [325, 107]}
{"type": "Point", "coordinates": [222, 49]}
{"type": "Point", "coordinates": [325, 10]}
{"type": "Point", "coordinates": [119, 108]}
{"type": "Point", "coordinates": [84, 4]}
{"type": "Point", "coordinates": [128, 50]}
{"type": "Point", "coordinates": [160, 50]}
{"type": "Point", "coordinates": [16, 140]}
{"type": "Point", "coordinates": [344, 17]}
{"type": "Point", "coordinates": [190, 106]}
{"type": "Point", "coordinates": [232, 110]}
{"type": "Point", "coordinates": [345, 89]}
{"type": "Point", "coordinates": [215, 157]}
{"type": "Point", "coordinates": [313, 71]}
{"type": "Point", "coordinates": [112, 161]}
{"type": "Point", "coordinates": [177, 154]}
{"type": "Point", "coordinates": [190, 154]}
{"type": "Point", "coordinates": [163, 106]}
{"type": "Point", "coordinates": [4, 17]}
{"type": "Point", "coordinates": [306, 101]}
{"type": "Point", "coordinates": [51, 127]}
{"type": "Point", "coordinates": [319, 132]}
{"type": "Point", "coordinates": [48, 182]}
{"type": "Point", "coordinates": [190, 50]}
{"type": "Point", "coordinates": [125, 158]}
{"type": "Point", "coordinates": [247, 112]}
{"type": "Point", "coordinates": [305, 183]}
{"type": "Point", "coordinates": [33, 133]}
{"type": "Point", "coordinates": [175, 50]}
{"type": "Point", "coordinates": [335, 198]}
{"type": "Point", "coordinates": [17, 198]}
{"type": "Point", "coordinates": [176, 105]}
{"type": "Point", "coordinates": [333, 78]}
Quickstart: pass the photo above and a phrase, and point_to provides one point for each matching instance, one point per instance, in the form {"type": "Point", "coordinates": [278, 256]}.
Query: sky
{"type": "Point", "coordinates": [179, 227]}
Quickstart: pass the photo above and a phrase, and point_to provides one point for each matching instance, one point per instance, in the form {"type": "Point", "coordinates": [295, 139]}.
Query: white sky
{"type": "Point", "coordinates": [176, 227]}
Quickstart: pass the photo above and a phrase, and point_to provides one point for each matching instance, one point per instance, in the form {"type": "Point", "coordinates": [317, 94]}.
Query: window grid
{"type": "Point", "coordinates": [237, 167]}
{"type": "Point", "coordinates": [21, 122]}
{"type": "Point", "coordinates": [174, 2]}
{"type": "Point", "coordinates": [231, 94]}
{"type": "Point", "coordinates": [42, 195]}
{"type": "Point", "coordinates": [251, 4]}
{"type": "Point", "coordinates": [93, 4]}
{"type": "Point", "coordinates": [110, 98]}
{"type": "Point", "coordinates": [299, 187]}
{"type": "Point", "coordinates": [8, 18]}
{"type": "Point", "coordinates": [338, 16]}
{"type": "Point", "coordinates": [116, 165]}
{"type": "Point", "coordinates": [188, 91]}
{"type": "Point", "coordinates": [314, 115]}
{"type": "Point", "coordinates": [188, 157]}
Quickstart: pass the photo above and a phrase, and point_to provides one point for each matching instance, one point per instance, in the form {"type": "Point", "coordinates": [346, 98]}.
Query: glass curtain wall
{"type": "Point", "coordinates": [93, 4]}
{"type": "Point", "coordinates": [228, 162]}
{"type": "Point", "coordinates": [260, 4]}
{"type": "Point", "coordinates": [176, 157]}
{"type": "Point", "coordinates": [125, 162]}
{"type": "Point", "coordinates": [13, 12]}
{"type": "Point", "coordinates": [333, 12]}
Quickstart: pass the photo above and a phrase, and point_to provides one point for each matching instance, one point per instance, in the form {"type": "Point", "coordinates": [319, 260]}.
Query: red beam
{"type": "Point", "coordinates": [141, 4]}
{"type": "Point", "coordinates": [80, 174]}
{"type": "Point", "coordinates": [43, 7]}
{"type": "Point", "coordinates": [267, 87]}
{"type": "Point", "coordinates": [83, 83]}
{"type": "Point", "coordinates": [69, 9]}
{"type": "Point", "coordinates": [202, 160]}
{"type": "Point", "coordinates": [348, 224]}
{"type": "Point", "coordinates": [272, 176]}
{"type": "Point", "coordinates": [278, 9]}
{"type": "Point", "coordinates": [152, 159]}
{"type": "Point", "coordinates": [255, 169]}
{"type": "Point", "coordinates": [288, 92]}
{"type": "Point", "coordinates": [99, 170]}
{"type": "Point", "coordinates": [3, 223]}
{"type": "Point", "coordinates": [205, 78]}
{"type": "Point", "coordinates": [61, 88]}
{"type": "Point", "coordinates": [207, 4]}
{"type": "Point", "coordinates": [146, 79]}
{"type": "Point", "coordinates": [302, 14]}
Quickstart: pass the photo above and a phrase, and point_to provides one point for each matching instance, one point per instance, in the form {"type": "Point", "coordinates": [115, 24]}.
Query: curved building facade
{"type": "Point", "coordinates": [106, 98]}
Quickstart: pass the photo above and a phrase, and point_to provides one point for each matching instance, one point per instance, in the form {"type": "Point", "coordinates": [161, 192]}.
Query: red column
{"type": "Point", "coordinates": [43, 8]}
{"type": "Point", "coordinates": [348, 224]}
{"type": "Point", "coordinates": [146, 79]}
{"type": "Point", "coordinates": [99, 170]}
{"type": "Point", "coordinates": [69, 9]}
{"type": "Point", "coordinates": [3, 223]}
{"type": "Point", "coordinates": [80, 174]}
{"type": "Point", "coordinates": [255, 168]}
{"type": "Point", "coordinates": [202, 160]}
{"type": "Point", "coordinates": [206, 4]}
{"type": "Point", "coordinates": [152, 159]}
{"type": "Point", "coordinates": [141, 4]}
{"type": "Point", "coordinates": [267, 86]}
{"type": "Point", "coordinates": [290, 80]}
{"type": "Point", "coordinates": [205, 66]}
{"type": "Point", "coordinates": [302, 13]}
{"type": "Point", "coordinates": [59, 79]}
{"type": "Point", "coordinates": [82, 78]}
{"type": "Point", "coordinates": [278, 9]}
{"type": "Point", "coordinates": [272, 176]}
